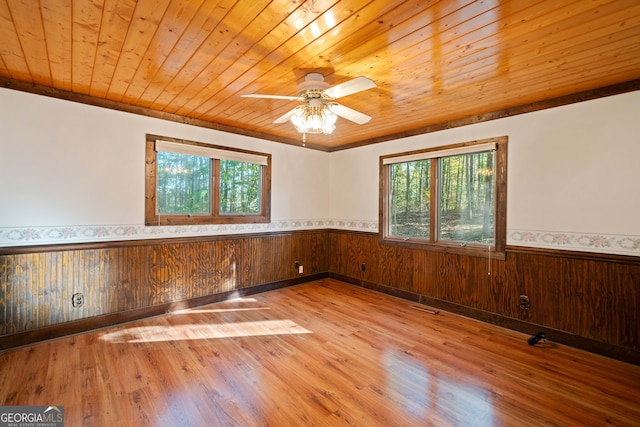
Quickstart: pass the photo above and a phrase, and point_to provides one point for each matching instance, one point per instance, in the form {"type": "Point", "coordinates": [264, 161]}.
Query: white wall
{"type": "Point", "coordinates": [73, 173]}
{"type": "Point", "coordinates": [573, 175]}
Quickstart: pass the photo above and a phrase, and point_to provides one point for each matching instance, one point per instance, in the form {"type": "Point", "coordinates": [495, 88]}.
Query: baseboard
{"type": "Point", "coordinates": [9, 342]}
{"type": "Point", "coordinates": [561, 337]}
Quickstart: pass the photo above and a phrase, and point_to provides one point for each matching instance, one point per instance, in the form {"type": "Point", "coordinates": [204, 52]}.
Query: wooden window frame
{"type": "Point", "coordinates": [151, 171]}
{"type": "Point", "coordinates": [497, 250]}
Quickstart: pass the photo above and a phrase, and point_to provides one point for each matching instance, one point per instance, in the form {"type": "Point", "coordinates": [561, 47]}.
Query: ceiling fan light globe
{"type": "Point", "coordinates": [309, 119]}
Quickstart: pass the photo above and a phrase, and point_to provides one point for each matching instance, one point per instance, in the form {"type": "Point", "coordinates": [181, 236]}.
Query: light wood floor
{"type": "Point", "coordinates": [323, 354]}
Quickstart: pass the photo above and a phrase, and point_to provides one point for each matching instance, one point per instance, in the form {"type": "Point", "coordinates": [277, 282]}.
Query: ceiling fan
{"type": "Point", "coordinates": [319, 111]}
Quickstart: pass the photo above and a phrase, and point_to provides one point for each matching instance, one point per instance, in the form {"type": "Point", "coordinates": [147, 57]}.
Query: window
{"type": "Point", "coordinates": [449, 198]}
{"type": "Point", "coordinates": [194, 183]}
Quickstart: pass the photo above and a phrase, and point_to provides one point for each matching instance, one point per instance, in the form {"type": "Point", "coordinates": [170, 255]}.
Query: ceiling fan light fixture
{"type": "Point", "coordinates": [319, 113]}
{"type": "Point", "coordinates": [314, 119]}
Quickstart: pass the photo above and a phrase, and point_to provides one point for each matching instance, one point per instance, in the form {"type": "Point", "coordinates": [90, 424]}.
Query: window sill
{"type": "Point", "coordinates": [205, 220]}
{"type": "Point", "coordinates": [480, 251]}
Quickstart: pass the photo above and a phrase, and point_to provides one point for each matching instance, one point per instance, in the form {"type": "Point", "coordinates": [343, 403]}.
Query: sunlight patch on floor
{"type": "Point", "coordinates": [138, 334]}
{"type": "Point", "coordinates": [217, 310]}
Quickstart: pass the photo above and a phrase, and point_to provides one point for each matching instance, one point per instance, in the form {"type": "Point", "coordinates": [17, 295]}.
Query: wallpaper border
{"type": "Point", "coordinates": [586, 242]}
{"type": "Point", "coordinates": [23, 236]}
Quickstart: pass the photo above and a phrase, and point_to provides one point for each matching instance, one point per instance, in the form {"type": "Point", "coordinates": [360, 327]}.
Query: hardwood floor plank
{"type": "Point", "coordinates": [321, 354]}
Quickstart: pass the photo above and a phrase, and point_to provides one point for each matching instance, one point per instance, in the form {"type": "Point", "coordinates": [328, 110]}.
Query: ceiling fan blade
{"type": "Point", "coordinates": [349, 87]}
{"type": "Point", "coordinates": [286, 116]}
{"type": "Point", "coordinates": [259, 95]}
{"type": "Point", "coordinates": [349, 113]}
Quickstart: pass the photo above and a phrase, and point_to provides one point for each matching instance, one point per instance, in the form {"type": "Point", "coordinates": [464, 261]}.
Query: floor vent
{"type": "Point", "coordinates": [425, 309]}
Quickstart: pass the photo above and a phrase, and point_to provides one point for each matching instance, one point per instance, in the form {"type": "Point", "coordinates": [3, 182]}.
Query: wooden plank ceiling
{"type": "Point", "coordinates": [434, 62]}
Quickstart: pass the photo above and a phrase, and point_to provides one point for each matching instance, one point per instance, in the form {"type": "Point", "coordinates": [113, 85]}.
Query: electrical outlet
{"type": "Point", "coordinates": [301, 269]}
{"type": "Point", "coordinates": [77, 300]}
{"type": "Point", "coordinates": [525, 304]}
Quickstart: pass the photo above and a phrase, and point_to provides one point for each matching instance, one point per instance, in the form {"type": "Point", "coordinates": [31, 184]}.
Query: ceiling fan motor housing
{"type": "Point", "coordinates": [312, 86]}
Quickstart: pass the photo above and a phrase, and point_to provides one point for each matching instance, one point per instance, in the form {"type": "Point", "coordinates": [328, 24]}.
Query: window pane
{"type": "Point", "coordinates": [183, 184]}
{"type": "Point", "coordinates": [466, 209]}
{"type": "Point", "coordinates": [239, 187]}
{"type": "Point", "coordinates": [409, 202]}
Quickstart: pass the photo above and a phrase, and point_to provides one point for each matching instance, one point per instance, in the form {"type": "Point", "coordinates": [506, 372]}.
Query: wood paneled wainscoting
{"type": "Point", "coordinates": [589, 301]}
{"type": "Point", "coordinates": [122, 281]}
